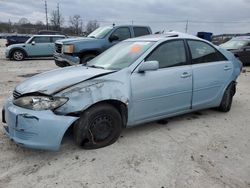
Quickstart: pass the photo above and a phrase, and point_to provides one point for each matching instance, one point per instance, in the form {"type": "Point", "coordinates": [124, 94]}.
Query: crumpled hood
{"type": "Point", "coordinates": [55, 80]}
{"type": "Point", "coordinates": [78, 39]}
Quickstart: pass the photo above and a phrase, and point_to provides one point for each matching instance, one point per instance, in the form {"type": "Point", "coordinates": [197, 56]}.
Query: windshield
{"type": "Point", "coordinates": [100, 33]}
{"type": "Point", "coordinates": [120, 56]}
{"type": "Point", "coordinates": [234, 44]}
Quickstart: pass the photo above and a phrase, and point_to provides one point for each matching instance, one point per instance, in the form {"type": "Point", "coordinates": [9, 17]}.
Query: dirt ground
{"type": "Point", "coordinates": [203, 149]}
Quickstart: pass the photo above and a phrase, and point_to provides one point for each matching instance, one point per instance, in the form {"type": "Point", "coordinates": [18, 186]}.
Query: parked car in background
{"type": "Point", "coordinates": [16, 39]}
{"type": "Point", "coordinates": [36, 46]}
{"type": "Point", "coordinates": [81, 50]}
{"type": "Point", "coordinates": [240, 46]}
{"type": "Point", "coordinates": [137, 81]}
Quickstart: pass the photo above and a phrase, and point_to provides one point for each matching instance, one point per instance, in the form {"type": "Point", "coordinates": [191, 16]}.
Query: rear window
{"type": "Point", "coordinates": [203, 53]}
{"type": "Point", "coordinates": [140, 31]}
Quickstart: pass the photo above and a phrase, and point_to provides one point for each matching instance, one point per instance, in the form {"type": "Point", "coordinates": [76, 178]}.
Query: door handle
{"type": "Point", "coordinates": [186, 75]}
{"type": "Point", "coordinates": [227, 68]}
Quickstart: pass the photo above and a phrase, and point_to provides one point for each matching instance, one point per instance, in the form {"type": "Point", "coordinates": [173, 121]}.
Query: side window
{"type": "Point", "coordinates": [123, 33]}
{"type": "Point", "coordinates": [169, 54]}
{"type": "Point", "coordinates": [41, 40]}
{"type": "Point", "coordinates": [54, 39]}
{"type": "Point", "coordinates": [203, 53]}
{"type": "Point", "coordinates": [140, 31]}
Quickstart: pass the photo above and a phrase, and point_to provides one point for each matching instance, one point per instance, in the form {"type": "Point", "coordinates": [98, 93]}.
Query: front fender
{"type": "Point", "coordinates": [84, 95]}
{"type": "Point", "coordinates": [17, 48]}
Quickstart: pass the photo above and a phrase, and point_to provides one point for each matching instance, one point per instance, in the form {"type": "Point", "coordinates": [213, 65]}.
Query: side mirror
{"type": "Point", "coordinates": [246, 48]}
{"type": "Point", "coordinates": [113, 38]}
{"type": "Point", "coordinates": [33, 42]}
{"type": "Point", "coordinates": [148, 66]}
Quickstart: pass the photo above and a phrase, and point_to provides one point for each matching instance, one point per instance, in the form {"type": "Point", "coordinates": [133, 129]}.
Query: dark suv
{"type": "Point", "coordinates": [240, 46]}
{"type": "Point", "coordinates": [16, 40]}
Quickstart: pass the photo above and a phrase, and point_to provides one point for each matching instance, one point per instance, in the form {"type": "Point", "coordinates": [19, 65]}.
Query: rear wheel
{"type": "Point", "coordinates": [227, 99]}
{"type": "Point", "coordinates": [98, 127]}
{"type": "Point", "coordinates": [18, 55]}
{"type": "Point", "coordinates": [87, 57]}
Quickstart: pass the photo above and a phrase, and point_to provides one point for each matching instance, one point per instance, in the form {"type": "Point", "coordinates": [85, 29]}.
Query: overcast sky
{"type": "Point", "coordinates": [217, 16]}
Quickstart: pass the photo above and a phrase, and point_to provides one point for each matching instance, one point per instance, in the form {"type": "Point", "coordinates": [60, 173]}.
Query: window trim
{"type": "Point", "coordinates": [168, 41]}
{"type": "Point", "coordinates": [40, 42]}
{"type": "Point", "coordinates": [190, 53]}
{"type": "Point", "coordinates": [121, 28]}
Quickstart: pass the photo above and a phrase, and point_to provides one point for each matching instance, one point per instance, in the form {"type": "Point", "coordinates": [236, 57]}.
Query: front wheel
{"type": "Point", "coordinates": [98, 127]}
{"type": "Point", "coordinates": [86, 58]}
{"type": "Point", "coordinates": [18, 55]}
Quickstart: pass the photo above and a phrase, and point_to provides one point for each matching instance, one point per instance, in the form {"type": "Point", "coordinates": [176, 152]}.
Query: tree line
{"type": "Point", "coordinates": [75, 26]}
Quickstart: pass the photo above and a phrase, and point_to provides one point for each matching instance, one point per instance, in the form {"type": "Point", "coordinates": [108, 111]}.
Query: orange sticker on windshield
{"type": "Point", "coordinates": [136, 48]}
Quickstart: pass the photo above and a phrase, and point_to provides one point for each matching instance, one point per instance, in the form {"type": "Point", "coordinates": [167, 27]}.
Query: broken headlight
{"type": "Point", "coordinates": [40, 103]}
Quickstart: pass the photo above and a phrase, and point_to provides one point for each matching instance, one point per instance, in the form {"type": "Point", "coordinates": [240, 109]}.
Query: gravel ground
{"type": "Point", "coordinates": [203, 149]}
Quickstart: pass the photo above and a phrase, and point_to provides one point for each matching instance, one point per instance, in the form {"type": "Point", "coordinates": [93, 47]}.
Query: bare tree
{"type": "Point", "coordinates": [91, 26]}
{"type": "Point", "coordinates": [23, 21]}
{"type": "Point", "coordinates": [56, 20]}
{"type": "Point", "coordinates": [76, 23]}
{"type": "Point", "coordinates": [39, 23]}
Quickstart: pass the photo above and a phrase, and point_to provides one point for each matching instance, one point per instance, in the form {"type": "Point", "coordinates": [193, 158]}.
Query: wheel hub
{"type": "Point", "coordinates": [101, 128]}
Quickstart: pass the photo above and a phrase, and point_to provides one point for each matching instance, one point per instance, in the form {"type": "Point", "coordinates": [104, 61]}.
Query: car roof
{"type": "Point", "coordinates": [241, 38]}
{"type": "Point", "coordinates": [165, 36]}
{"type": "Point", "coordinates": [48, 35]}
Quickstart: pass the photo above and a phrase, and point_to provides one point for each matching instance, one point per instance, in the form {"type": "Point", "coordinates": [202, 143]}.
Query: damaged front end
{"type": "Point", "coordinates": [35, 129]}
{"type": "Point", "coordinates": [39, 119]}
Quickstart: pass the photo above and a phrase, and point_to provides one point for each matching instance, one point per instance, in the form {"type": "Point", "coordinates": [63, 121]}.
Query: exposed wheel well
{"type": "Point", "coordinates": [120, 106]}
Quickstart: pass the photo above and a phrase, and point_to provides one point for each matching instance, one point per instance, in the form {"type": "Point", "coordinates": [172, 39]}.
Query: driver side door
{"type": "Point", "coordinates": [122, 33]}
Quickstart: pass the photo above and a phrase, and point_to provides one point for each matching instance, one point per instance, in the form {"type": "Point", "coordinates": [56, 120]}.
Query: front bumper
{"type": "Point", "coordinates": [7, 54]}
{"type": "Point", "coordinates": [64, 59]}
{"type": "Point", "coordinates": [35, 129]}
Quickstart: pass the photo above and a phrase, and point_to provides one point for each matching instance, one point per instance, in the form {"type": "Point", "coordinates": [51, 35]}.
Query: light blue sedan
{"type": "Point", "coordinates": [36, 46]}
{"type": "Point", "coordinates": [137, 81]}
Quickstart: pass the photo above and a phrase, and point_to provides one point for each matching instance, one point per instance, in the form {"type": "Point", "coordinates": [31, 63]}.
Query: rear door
{"type": "Point", "coordinates": [41, 47]}
{"type": "Point", "coordinates": [211, 73]}
{"type": "Point", "coordinates": [167, 90]}
{"type": "Point", "coordinates": [245, 54]}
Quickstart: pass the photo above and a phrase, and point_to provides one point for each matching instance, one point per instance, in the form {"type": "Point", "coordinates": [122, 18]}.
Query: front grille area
{"type": "Point", "coordinates": [16, 94]}
{"type": "Point", "coordinates": [58, 48]}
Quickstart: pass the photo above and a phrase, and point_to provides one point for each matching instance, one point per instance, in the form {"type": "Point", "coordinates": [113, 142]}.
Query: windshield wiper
{"type": "Point", "coordinates": [92, 37]}
{"type": "Point", "coordinates": [94, 66]}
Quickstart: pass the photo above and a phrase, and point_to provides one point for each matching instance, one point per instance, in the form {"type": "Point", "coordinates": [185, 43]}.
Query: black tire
{"type": "Point", "coordinates": [87, 57]}
{"type": "Point", "coordinates": [98, 127]}
{"type": "Point", "coordinates": [227, 99]}
{"type": "Point", "coordinates": [18, 55]}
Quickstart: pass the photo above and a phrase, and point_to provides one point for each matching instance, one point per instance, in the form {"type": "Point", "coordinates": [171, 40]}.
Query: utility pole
{"type": "Point", "coordinates": [186, 29]}
{"type": "Point", "coordinates": [132, 22]}
{"type": "Point", "coordinates": [46, 12]}
{"type": "Point", "coordinates": [9, 27]}
{"type": "Point", "coordinates": [58, 16]}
